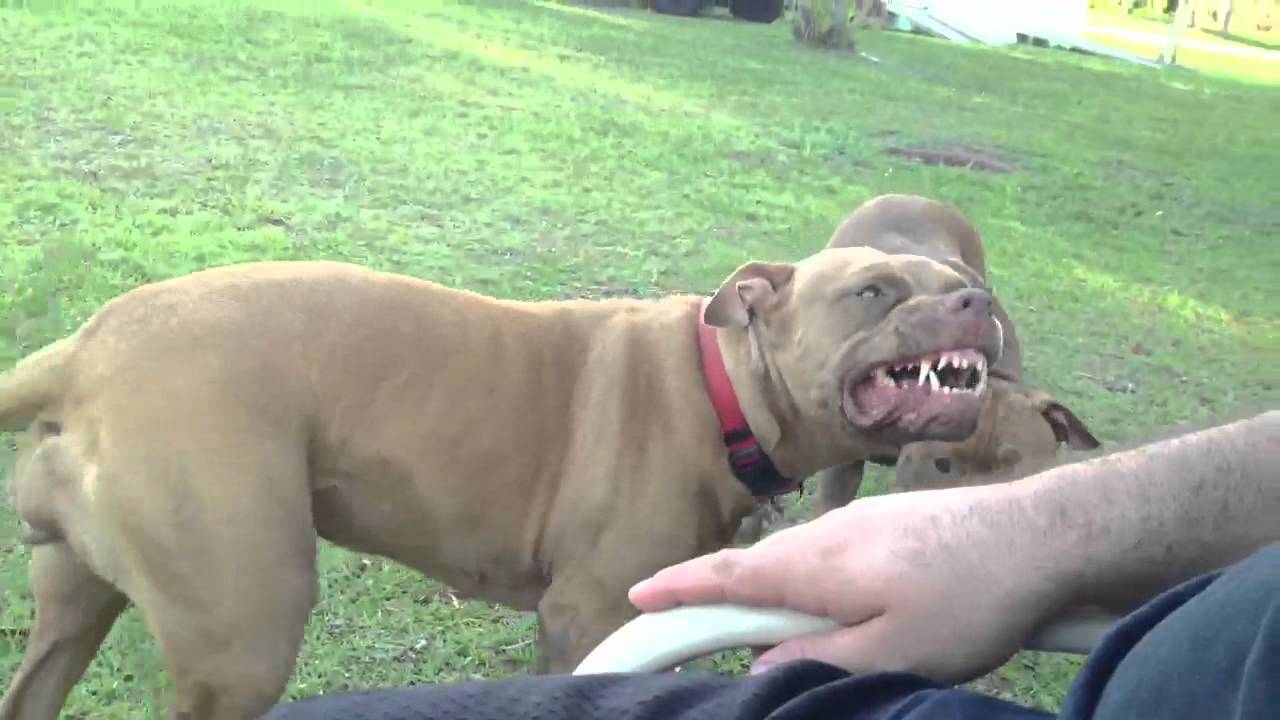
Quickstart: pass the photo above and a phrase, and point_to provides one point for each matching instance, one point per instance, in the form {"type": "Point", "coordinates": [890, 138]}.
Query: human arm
{"type": "Point", "coordinates": [948, 583]}
{"type": "Point", "coordinates": [1133, 524]}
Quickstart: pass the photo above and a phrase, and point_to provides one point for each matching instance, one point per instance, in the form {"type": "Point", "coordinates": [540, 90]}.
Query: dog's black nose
{"type": "Point", "coordinates": [969, 300]}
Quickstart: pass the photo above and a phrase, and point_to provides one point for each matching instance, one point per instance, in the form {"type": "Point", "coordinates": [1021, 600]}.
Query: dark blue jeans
{"type": "Point", "coordinates": [1209, 648]}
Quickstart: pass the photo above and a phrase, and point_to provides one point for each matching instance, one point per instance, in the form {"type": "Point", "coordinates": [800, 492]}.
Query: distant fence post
{"type": "Point", "coordinates": [1180, 18]}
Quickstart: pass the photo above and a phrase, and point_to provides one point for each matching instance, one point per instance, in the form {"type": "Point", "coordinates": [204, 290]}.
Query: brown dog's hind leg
{"type": "Point", "coordinates": [231, 654]}
{"type": "Point", "coordinates": [75, 610]}
{"type": "Point", "coordinates": [222, 566]}
{"type": "Point", "coordinates": [837, 486]}
{"type": "Point", "coordinates": [226, 671]}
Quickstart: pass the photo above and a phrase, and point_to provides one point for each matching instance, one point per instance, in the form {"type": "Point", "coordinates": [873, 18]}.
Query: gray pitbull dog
{"type": "Point", "coordinates": [189, 444]}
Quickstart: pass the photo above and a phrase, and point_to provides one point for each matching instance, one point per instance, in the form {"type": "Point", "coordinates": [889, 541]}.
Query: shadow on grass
{"type": "Point", "coordinates": [1244, 40]}
{"type": "Point", "coordinates": [570, 69]}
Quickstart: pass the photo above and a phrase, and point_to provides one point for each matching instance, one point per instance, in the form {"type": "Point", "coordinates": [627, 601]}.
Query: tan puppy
{"type": "Point", "coordinates": [1021, 432]}
{"type": "Point", "coordinates": [1022, 427]}
{"type": "Point", "coordinates": [190, 442]}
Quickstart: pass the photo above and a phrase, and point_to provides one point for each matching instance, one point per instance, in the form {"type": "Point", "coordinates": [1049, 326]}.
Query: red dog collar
{"type": "Point", "coordinates": [749, 462]}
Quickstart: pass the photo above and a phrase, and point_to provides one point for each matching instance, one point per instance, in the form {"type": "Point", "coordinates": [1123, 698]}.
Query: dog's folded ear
{"type": "Point", "coordinates": [1068, 428]}
{"type": "Point", "coordinates": [749, 290]}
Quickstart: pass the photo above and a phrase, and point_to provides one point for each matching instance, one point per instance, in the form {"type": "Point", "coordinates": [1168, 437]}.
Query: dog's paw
{"type": "Point", "coordinates": [755, 526]}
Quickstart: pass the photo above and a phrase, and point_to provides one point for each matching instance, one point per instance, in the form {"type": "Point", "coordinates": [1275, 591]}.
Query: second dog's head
{"type": "Point", "coordinates": [1020, 433]}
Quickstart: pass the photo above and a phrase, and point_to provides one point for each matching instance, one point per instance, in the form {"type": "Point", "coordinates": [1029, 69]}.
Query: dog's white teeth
{"type": "Point", "coordinates": [964, 362]}
{"type": "Point", "coordinates": [933, 381]}
{"type": "Point", "coordinates": [924, 371]}
{"type": "Point", "coordinates": [882, 377]}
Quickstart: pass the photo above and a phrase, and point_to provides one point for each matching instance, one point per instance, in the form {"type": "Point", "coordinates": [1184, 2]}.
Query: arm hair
{"type": "Point", "coordinates": [1128, 524]}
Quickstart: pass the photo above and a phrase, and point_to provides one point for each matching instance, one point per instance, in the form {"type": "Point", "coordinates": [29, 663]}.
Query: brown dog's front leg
{"type": "Point", "coordinates": [837, 486]}
{"type": "Point", "coordinates": [585, 604]}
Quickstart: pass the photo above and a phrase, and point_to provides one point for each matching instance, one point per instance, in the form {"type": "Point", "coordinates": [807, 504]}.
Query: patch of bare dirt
{"type": "Point", "coordinates": [960, 156]}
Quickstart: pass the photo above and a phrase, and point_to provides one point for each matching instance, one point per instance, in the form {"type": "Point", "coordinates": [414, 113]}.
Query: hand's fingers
{"type": "Point", "coordinates": [746, 577]}
{"type": "Point", "coordinates": [858, 648]}
{"type": "Point", "coordinates": [796, 568]}
{"type": "Point", "coordinates": [701, 580]}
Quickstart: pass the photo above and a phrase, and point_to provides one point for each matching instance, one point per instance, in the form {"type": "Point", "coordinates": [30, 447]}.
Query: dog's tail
{"type": "Point", "coordinates": [35, 382]}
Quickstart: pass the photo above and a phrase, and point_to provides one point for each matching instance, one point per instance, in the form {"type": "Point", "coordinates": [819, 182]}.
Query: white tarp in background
{"type": "Point", "coordinates": [1000, 22]}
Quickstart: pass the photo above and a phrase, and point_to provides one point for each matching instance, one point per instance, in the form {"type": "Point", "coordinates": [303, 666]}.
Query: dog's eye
{"type": "Point", "coordinates": [870, 291]}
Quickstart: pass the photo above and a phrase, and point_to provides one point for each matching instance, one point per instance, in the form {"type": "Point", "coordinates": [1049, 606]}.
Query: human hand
{"type": "Point", "coordinates": [934, 582]}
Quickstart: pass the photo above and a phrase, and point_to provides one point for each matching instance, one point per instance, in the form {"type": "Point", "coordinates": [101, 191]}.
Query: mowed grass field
{"type": "Point", "coordinates": [540, 151]}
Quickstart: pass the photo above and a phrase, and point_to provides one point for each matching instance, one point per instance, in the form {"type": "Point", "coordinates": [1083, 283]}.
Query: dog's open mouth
{"type": "Point", "coordinates": [919, 392]}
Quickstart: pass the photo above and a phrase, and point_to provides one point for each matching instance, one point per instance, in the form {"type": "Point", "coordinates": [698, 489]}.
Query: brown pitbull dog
{"type": "Point", "coordinates": [191, 441]}
{"type": "Point", "coordinates": [1021, 427]}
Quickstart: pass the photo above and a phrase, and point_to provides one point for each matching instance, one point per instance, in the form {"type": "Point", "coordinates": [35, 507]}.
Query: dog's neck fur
{"type": "Point", "coordinates": [809, 446]}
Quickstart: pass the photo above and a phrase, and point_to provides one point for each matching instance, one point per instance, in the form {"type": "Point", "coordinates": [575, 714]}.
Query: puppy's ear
{"type": "Point", "coordinates": [750, 289]}
{"type": "Point", "coordinates": [1067, 428]}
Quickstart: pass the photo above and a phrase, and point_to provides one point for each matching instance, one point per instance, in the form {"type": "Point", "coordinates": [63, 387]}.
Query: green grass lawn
{"type": "Point", "coordinates": [536, 150]}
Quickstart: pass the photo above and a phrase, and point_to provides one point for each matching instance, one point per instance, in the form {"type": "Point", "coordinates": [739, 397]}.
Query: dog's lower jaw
{"type": "Point", "coordinates": [905, 413]}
